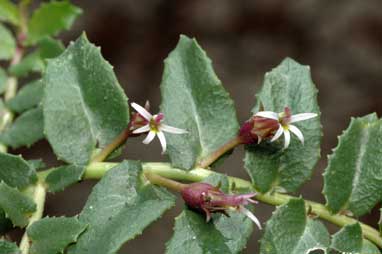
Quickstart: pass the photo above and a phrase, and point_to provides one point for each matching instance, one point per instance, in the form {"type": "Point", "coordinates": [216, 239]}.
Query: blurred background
{"type": "Point", "coordinates": [341, 41]}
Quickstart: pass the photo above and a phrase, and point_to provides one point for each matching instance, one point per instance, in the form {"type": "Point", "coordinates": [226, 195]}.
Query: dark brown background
{"type": "Point", "coordinates": [340, 40]}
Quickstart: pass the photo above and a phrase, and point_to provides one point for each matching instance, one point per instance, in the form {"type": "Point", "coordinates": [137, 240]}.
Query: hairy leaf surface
{"type": "Point", "coordinates": [16, 205]}
{"type": "Point", "coordinates": [353, 178]}
{"type": "Point", "coordinates": [119, 208]}
{"type": "Point", "coordinates": [289, 84]}
{"type": "Point", "coordinates": [83, 103]}
{"type": "Point", "coordinates": [194, 99]}
{"type": "Point", "coordinates": [15, 171]}
{"type": "Point", "coordinates": [53, 235]}
{"type": "Point", "coordinates": [289, 231]}
{"type": "Point", "coordinates": [26, 130]}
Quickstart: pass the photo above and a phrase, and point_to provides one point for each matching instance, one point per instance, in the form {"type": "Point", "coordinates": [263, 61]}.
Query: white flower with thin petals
{"type": "Point", "coordinates": [285, 127]}
{"type": "Point", "coordinates": [154, 127]}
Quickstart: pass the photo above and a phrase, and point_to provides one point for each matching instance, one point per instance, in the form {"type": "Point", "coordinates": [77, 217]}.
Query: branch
{"type": "Point", "coordinates": [39, 198]}
{"type": "Point", "coordinates": [97, 170]}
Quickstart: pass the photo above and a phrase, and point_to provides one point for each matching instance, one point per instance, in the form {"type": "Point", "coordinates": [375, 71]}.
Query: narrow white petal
{"type": "Point", "coordinates": [149, 138]}
{"type": "Point", "coordinates": [162, 140]}
{"type": "Point", "coordinates": [170, 129]}
{"type": "Point", "coordinates": [259, 139]}
{"type": "Point", "coordinates": [142, 129]}
{"type": "Point", "coordinates": [250, 215]}
{"type": "Point", "coordinates": [279, 132]}
{"type": "Point", "coordinates": [268, 114]}
{"type": "Point", "coordinates": [142, 111]}
{"type": "Point", "coordinates": [302, 117]}
{"type": "Point", "coordinates": [287, 138]}
{"type": "Point", "coordinates": [297, 132]}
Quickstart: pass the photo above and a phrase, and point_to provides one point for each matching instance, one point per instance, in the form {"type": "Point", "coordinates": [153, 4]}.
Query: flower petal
{"type": "Point", "coordinates": [268, 114]}
{"type": "Point", "coordinates": [142, 129]}
{"type": "Point", "coordinates": [162, 140]}
{"type": "Point", "coordinates": [279, 132]}
{"type": "Point", "coordinates": [170, 129]}
{"type": "Point", "coordinates": [296, 131]}
{"type": "Point", "coordinates": [149, 138]}
{"type": "Point", "coordinates": [302, 117]}
{"type": "Point", "coordinates": [142, 111]}
{"type": "Point", "coordinates": [287, 138]}
{"type": "Point", "coordinates": [250, 215]}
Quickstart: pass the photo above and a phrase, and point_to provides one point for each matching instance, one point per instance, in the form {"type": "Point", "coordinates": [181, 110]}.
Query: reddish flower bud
{"type": "Point", "coordinates": [204, 197]}
{"type": "Point", "coordinates": [258, 128]}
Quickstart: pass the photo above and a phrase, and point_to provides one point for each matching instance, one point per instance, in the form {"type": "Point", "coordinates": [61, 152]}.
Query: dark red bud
{"type": "Point", "coordinates": [204, 197]}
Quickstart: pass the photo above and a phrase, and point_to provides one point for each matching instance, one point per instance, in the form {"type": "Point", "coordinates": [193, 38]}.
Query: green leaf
{"type": "Point", "coordinates": [369, 248]}
{"type": "Point", "coordinates": [28, 97]}
{"type": "Point", "coordinates": [37, 164]}
{"type": "Point", "coordinates": [51, 18]}
{"type": "Point", "coordinates": [9, 12]}
{"type": "Point", "coordinates": [5, 223]}
{"type": "Point", "coordinates": [16, 206]}
{"type": "Point", "coordinates": [36, 61]}
{"type": "Point", "coordinates": [7, 43]}
{"type": "Point", "coordinates": [3, 80]}
{"type": "Point", "coordinates": [194, 99]}
{"type": "Point", "coordinates": [81, 88]}
{"type": "Point", "coordinates": [289, 231]}
{"type": "Point", "coordinates": [8, 247]}
{"type": "Point", "coordinates": [53, 235]}
{"type": "Point", "coordinates": [348, 239]}
{"type": "Point", "coordinates": [63, 176]}
{"type": "Point", "coordinates": [192, 234]}
{"type": "Point", "coordinates": [119, 208]}
{"type": "Point", "coordinates": [26, 130]}
{"type": "Point", "coordinates": [353, 178]}
{"type": "Point", "coordinates": [289, 84]}
{"type": "Point", "coordinates": [15, 171]}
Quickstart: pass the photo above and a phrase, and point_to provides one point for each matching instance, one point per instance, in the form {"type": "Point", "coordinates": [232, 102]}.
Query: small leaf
{"type": "Point", "coordinates": [15, 171]}
{"type": "Point", "coordinates": [194, 99]}
{"type": "Point", "coordinates": [353, 178]}
{"type": "Point", "coordinates": [8, 247]}
{"type": "Point", "coordinates": [192, 234]}
{"type": "Point", "coordinates": [51, 18]}
{"type": "Point", "coordinates": [3, 80]}
{"type": "Point", "coordinates": [9, 12]}
{"type": "Point", "coordinates": [16, 205]}
{"type": "Point", "coordinates": [348, 239]}
{"type": "Point", "coordinates": [119, 208]}
{"type": "Point", "coordinates": [26, 130]}
{"type": "Point", "coordinates": [63, 176]}
{"type": "Point", "coordinates": [289, 231]}
{"type": "Point", "coordinates": [289, 84]}
{"type": "Point", "coordinates": [53, 235]}
{"type": "Point", "coordinates": [37, 164]}
{"type": "Point", "coordinates": [369, 248]}
{"type": "Point", "coordinates": [81, 88]}
{"type": "Point", "coordinates": [28, 97]}
{"type": "Point", "coordinates": [36, 61]}
{"type": "Point", "coordinates": [7, 43]}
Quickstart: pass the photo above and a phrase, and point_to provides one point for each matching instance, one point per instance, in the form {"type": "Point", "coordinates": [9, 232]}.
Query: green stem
{"type": "Point", "coordinates": [207, 161]}
{"type": "Point", "coordinates": [97, 170]}
{"type": "Point", "coordinates": [39, 196]}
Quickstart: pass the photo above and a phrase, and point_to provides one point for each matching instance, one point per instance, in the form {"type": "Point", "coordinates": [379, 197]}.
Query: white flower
{"type": "Point", "coordinates": [285, 119]}
{"type": "Point", "coordinates": [154, 126]}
